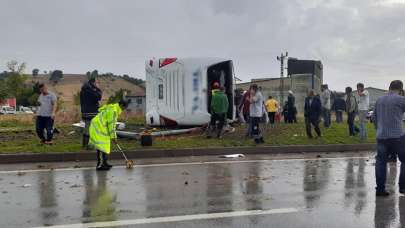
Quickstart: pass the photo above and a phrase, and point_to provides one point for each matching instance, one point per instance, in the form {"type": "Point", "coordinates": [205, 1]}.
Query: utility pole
{"type": "Point", "coordinates": [282, 58]}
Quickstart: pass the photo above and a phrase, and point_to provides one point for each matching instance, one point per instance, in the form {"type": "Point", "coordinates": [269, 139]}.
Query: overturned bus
{"type": "Point", "coordinates": [178, 91]}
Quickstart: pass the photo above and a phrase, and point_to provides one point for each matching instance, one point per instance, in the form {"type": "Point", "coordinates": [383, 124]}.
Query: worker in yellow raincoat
{"type": "Point", "coordinates": [102, 131]}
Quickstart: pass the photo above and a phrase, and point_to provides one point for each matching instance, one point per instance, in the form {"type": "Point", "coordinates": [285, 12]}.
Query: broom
{"type": "Point", "coordinates": [128, 163]}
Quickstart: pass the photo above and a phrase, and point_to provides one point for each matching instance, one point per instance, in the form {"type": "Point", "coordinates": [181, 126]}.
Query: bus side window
{"type": "Point", "coordinates": [161, 91]}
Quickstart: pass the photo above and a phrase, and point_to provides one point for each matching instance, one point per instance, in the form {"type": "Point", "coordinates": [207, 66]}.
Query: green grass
{"type": "Point", "coordinates": [22, 139]}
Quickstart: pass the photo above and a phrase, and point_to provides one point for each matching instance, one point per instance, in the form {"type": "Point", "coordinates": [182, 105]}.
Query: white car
{"type": "Point", "coordinates": [7, 110]}
{"type": "Point", "coordinates": [26, 110]}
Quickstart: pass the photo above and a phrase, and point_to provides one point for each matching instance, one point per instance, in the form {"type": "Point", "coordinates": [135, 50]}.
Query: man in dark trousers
{"type": "Point", "coordinates": [388, 120]}
{"type": "Point", "coordinates": [339, 105]}
{"type": "Point", "coordinates": [46, 114]}
{"type": "Point", "coordinates": [351, 109]}
{"type": "Point", "coordinates": [313, 110]}
{"type": "Point", "coordinates": [90, 96]}
{"type": "Point", "coordinates": [219, 107]}
{"type": "Point", "coordinates": [292, 110]}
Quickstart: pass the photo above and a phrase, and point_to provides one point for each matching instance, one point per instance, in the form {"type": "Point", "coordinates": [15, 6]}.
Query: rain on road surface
{"type": "Point", "coordinates": [257, 191]}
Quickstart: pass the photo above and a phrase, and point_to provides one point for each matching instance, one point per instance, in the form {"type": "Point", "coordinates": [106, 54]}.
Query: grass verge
{"type": "Point", "coordinates": [21, 138]}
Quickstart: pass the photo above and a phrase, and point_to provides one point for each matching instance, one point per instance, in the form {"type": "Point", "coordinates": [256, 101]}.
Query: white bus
{"type": "Point", "coordinates": [178, 91]}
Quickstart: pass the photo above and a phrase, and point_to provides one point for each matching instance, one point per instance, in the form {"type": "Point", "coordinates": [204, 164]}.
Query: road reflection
{"type": "Point", "coordinates": [387, 208]}
{"type": "Point", "coordinates": [47, 198]}
{"type": "Point", "coordinates": [99, 202]}
{"type": "Point", "coordinates": [355, 185]}
{"type": "Point", "coordinates": [316, 178]}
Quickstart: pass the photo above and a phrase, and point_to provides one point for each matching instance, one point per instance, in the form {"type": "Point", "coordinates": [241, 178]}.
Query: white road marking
{"type": "Point", "coordinates": [180, 218]}
{"type": "Point", "coordinates": [182, 164]}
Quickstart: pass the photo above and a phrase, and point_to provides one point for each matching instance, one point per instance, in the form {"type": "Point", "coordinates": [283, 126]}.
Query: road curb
{"type": "Point", "coordinates": [159, 153]}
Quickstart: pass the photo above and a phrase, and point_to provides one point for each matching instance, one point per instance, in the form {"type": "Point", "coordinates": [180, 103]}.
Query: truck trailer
{"type": "Point", "coordinates": [178, 90]}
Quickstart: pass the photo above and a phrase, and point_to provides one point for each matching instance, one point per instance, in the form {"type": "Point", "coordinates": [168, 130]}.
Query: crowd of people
{"type": "Point", "coordinates": [317, 108]}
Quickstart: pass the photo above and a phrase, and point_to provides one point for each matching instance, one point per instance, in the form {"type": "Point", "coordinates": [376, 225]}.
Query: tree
{"type": "Point", "coordinates": [56, 76]}
{"type": "Point", "coordinates": [14, 67]}
{"type": "Point", "coordinates": [3, 75]}
{"type": "Point", "coordinates": [135, 81]}
{"type": "Point", "coordinates": [3, 90]}
{"type": "Point", "coordinates": [35, 72]}
{"type": "Point", "coordinates": [15, 83]}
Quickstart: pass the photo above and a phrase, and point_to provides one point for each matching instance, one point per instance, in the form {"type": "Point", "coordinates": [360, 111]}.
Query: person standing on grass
{"type": "Point", "coordinates": [245, 109]}
{"type": "Point", "coordinates": [90, 97]}
{"type": "Point", "coordinates": [351, 109]}
{"type": "Point", "coordinates": [364, 103]}
{"type": "Point", "coordinates": [326, 105]}
{"type": "Point", "coordinates": [102, 131]}
{"type": "Point", "coordinates": [245, 105]}
{"type": "Point", "coordinates": [285, 112]}
{"type": "Point", "coordinates": [46, 114]}
{"type": "Point", "coordinates": [219, 108]}
{"type": "Point", "coordinates": [313, 110]}
{"type": "Point", "coordinates": [291, 109]}
{"type": "Point", "coordinates": [271, 108]}
{"type": "Point", "coordinates": [388, 113]}
{"type": "Point", "coordinates": [256, 113]}
{"type": "Point", "coordinates": [339, 107]}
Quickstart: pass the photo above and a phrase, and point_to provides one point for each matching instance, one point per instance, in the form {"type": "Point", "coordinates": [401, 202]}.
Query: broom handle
{"type": "Point", "coordinates": [119, 148]}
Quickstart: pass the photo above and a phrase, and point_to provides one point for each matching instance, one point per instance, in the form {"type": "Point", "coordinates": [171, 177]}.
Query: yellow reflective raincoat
{"type": "Point", "coordinates": [102, 127]}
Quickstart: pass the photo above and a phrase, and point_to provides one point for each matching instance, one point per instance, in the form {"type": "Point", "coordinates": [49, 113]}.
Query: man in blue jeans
{"type": "Point", "coordinates": [46, 114]}
{"type": "Point", "coordinates": [388, 114]}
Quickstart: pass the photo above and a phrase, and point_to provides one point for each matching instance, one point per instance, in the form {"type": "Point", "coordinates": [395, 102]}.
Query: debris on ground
{"type": "Point", "coordinates": [185, 173]}
{"type": "Point", "coordinates": [124, 211]}
{"type": "Point", "coordinates": [71, 133]}
{"type": "Point", "coordinates": [186, 183]}
{"type": "Point", "coordinates": [76, 166]}
{"type": "Point", "coordinates": [233, 156]}
{"type": "Point", "coordinates": [4, 192]}
{"type": "Point", "coordinates": [75, 186]}
{"type": "Point", "coordinates": [21, 173]}
{"type": "Point", "coordinates": [318, 156]}
{"type": "Point", "coordinates": [40, 166]}
{"type": "Point", "coordinates": [26, 185]}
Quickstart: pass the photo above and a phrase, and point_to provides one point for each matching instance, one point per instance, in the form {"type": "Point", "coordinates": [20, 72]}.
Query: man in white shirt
{"type": "Point", "coordinates": [256, 113]}
{"type": "Point", "coordinates": [325, 101]}
{"type": "Point", "coordinates": [46, 114]}
{"type": "Point", "coordinates": [363, 106]}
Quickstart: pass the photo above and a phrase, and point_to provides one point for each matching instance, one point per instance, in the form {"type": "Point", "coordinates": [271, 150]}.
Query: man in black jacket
{"type": "Point", "coordinates": [313, 110]}
{"type": "Point", "coordinates": [292, 110]}
{"type": "Point", "coordinates": [90, 96]}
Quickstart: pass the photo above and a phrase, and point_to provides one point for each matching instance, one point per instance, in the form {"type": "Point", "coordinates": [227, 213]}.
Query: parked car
{"type": "Point", "coordinates": [7, 110]}
{"type": "Point", "coordinates": [26, 110]}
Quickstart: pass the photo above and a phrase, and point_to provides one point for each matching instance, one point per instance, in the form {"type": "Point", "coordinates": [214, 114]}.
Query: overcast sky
{"type": "Point", "coordinates": [357, 40]}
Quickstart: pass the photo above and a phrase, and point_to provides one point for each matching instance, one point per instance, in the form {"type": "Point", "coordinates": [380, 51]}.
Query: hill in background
{"type": "Point", "coordinates": [71, 84]}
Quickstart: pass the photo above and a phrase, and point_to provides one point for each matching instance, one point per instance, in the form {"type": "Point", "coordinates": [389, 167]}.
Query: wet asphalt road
{"type": "Point", "coordinates": [257, 191]}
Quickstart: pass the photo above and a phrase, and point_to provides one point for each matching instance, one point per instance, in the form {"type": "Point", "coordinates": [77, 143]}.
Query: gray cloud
{"type": "Point", "coordinates": [360, 40]}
